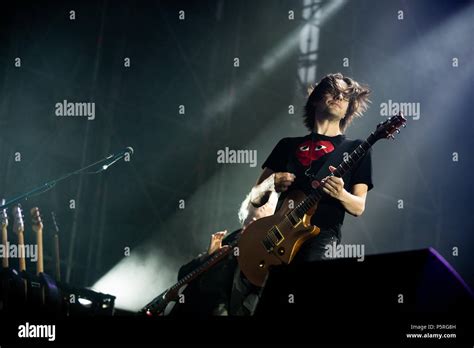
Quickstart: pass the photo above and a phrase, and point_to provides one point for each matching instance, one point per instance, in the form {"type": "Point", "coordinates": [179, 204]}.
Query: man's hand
{"type": "Point", "coordinates": [354, 202]}
{"type": "Point", "coordinates": [282, 181]}
{"type": "Point", "coordinates": [269, 182]}
{"type": "Point", "coordinates": [333, 185]}
{"type": "Point", "coordinates": [216, 241]}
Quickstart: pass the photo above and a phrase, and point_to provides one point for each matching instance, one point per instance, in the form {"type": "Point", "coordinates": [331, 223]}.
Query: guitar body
{"type": "Point", "coordinates": [35, 295]}
{"type": "Point", "coordinates": [52, 300]}
{"type": "Point", "coordinates": [12, 285]}
{"type": "Point", "coordinates": [43, 291]}
{"type": "Point", "coordinates": [12, 291]}
{"type": "Point", "coordinates": [274, 240]}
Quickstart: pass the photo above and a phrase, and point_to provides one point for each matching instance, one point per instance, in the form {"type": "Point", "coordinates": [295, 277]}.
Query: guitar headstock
{"type": "Point", "coordinates": [18, 223]}
{"type": "Point", "coordinates": [36, 219]}
{"type": "Point", "coordinates": [389, 127]}
{"type": "Point", "coordinates": [4, 215]}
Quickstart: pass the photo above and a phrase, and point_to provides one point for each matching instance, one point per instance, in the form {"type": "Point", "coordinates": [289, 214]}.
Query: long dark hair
{"type": "Point", "coordinates": [358, 99]}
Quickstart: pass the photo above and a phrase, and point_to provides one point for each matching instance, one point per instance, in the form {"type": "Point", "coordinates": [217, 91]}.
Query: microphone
{"type": "Point", "coordinates": [118, 156]}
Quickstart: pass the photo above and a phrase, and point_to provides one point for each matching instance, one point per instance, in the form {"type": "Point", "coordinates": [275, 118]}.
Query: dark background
{"type": "Point", "coordinates": [190, 62]}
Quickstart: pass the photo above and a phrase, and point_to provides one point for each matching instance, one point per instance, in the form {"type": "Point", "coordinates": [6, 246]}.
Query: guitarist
{"type": "Point", "coordinates": [209, 294]}
{"type": "Point", "coordinates": [331, 106]}
{"type": "Point", "coordinates": [294, 162]}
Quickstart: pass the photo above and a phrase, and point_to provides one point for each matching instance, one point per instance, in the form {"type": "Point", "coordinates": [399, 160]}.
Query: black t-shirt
{"type": "Point", "coordinates": [297, 155]}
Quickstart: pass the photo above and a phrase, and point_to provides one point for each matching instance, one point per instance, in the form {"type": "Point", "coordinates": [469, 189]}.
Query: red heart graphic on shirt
{"type": "Point", "coordinates": [312, 151]}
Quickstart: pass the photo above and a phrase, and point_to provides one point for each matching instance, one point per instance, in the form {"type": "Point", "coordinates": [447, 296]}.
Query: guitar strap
{"type": "Point", "coordinates": [334, 158]}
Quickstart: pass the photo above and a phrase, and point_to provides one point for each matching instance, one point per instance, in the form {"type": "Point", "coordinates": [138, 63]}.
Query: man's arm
{"type": "Point", "coordinates": [354, 202]}
{"type": "Point", "coordinates": [268, 183]}
{"type": "Point", "coordinates": [261, 191]}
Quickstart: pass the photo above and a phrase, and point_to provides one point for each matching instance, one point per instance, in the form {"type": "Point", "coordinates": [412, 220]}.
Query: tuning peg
{"type": "Point", "coordinates": [404, 125]}
{"type": "Point", "coordinates": [398, 131]}
{"type": "Point", "coordinates": [391, 137]}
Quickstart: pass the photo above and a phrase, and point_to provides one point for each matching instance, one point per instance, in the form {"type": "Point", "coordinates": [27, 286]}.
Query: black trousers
{"type": "Point", "coordinates": [315, 248]}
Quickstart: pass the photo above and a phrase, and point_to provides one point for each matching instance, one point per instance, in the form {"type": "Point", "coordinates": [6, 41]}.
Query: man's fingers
{"type": "Point", "coordinates": [283, 180]}
{"type": "Point", "coordinates": [335, 179]}
{"type": "Point", "coordinates": [218, 235]}
{"type": "Point", "coordinates": [326, 190]}
{"type": "Point", "coordinates": [331, 184]}
{"type": "Point", "coordinates": [282, 186]}
{"type": "Point", "coordinates": [283, 183]}
{"type": "Point", "coordinates": [285, 177]}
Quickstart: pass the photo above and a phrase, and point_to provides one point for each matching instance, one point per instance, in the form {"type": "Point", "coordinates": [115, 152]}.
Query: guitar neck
{"type": "Point", "coordinates": [213, 259]}
{"type": "Point", "coordinates": [159, 303]}
{"type": "Point", "coordinates": [347, 164]}
{"type": "Point", "coordinates": [56, 257]}
{"type": "Point", "coordinates": [39, 241]}
{"type": "Point", "coordinates": [5, 243]}
{"type": "Point", "coordinates": [21, 244]}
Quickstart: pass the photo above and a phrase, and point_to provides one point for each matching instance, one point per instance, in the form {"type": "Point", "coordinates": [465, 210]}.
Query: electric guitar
{"type": "Point", "coordinates": [57, 259]}
{"type": "Point", "coordinates": [163, 303]}
{"type": "Point", "coordinates": [12, 286]}
{"type": "Point", "coordinates": [275, 240]}
{"type": "Point", "coordinates": [50, 299]}
{"type": "Point", "coordinates": [19, 229]}
{"type": "Point", "coordinates": [4, 222]}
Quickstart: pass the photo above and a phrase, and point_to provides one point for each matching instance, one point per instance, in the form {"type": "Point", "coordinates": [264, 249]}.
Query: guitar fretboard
{"type": "Point", "coordinates": [204, 266]}
{"type": "Point", "coordinates": [160, 302]}
{"type": "Point", "coordinates": [347, 164]}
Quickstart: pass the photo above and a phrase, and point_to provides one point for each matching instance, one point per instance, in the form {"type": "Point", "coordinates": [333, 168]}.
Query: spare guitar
{"type": "Point", "coordinates": [19, 229]}
{"type": "Point", "coordinates": [50, 295]}
{"type": "Point", "coordinates": [4, 221]}
{"type": "Point", "coordinates": [163, 303]}
{"type": "Point", "coordinates": [57, 259]}
{"type": "Point", "coordinates": [275, 240]}
{"type": "Point", "coordinates": [12, 287]}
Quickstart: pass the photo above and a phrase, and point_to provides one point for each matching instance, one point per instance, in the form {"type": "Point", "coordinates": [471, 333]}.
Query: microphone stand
{"type": "Point", "coordinates": [106, 163]}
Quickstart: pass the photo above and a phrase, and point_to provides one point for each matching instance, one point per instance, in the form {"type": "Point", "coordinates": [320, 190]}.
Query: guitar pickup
{"type": "Point", "coordinates": [272, 239]}
{"type": "Point", "coordinates": [268, 244]}
{"type": "Point", "coordinates": [293, 219]}
{"type": "Point", "coordinates": [278, 237]}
